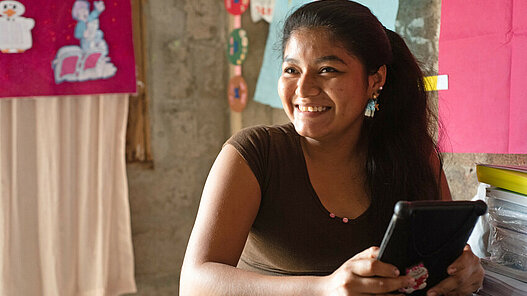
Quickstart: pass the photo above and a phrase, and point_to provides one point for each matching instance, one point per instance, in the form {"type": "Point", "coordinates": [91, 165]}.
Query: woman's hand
{"type": "Point", "coordinates": [365, 275]}
{"type": "Point", "coordinates": [466, 276]}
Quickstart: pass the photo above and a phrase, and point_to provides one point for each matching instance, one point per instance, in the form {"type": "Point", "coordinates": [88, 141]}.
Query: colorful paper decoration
{"type": "Point", "coordinates": [90, 60]}
{"type": "Point", "coordinates": [262, 9]}
{"type": "Point", "coordinates": [437, 82]}
{"type": "Point", "coordinates": [238, 46]}
{"type": "Point", "coordinates": [236, 7]}
{"type": "Point", "coordinates": [15, 36]}
{"type": "Point", "coordinates": [237, 93]}
{"type": "Point", "coordinates": [78, 47]}
{"type": "Point", "coordinates": [483, 50]}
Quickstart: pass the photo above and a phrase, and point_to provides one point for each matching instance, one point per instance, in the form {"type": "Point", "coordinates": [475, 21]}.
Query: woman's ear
{"type": "Point", "coordinates": [377, 80]}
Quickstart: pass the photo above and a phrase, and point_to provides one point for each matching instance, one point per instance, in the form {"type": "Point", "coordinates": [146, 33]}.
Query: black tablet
{"type": "Point", "coordinates": [425, 237]}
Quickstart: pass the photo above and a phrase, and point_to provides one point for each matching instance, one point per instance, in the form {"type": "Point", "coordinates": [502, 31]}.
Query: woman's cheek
{"type": "Point", "coordinates": [281, 88]}
{"type": "Point", "coordinates": [284, 91]}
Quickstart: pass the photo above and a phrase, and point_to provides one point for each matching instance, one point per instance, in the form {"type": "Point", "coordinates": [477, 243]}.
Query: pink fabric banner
{"type": "Point", "coordinates": [483, 50]}
{"type": "Point", "coordinates": [70, 47]}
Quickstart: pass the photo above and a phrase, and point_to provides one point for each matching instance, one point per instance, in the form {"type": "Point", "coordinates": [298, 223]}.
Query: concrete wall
{"type": "Point", "coordinates": [187, 78]}
{"type": "Point", "coordinates": [190, 120]}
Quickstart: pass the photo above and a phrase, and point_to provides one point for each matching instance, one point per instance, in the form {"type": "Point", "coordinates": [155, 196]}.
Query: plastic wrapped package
{"type": "Point", "coordinates": [507, 219]}
{"type": "Point", "coordinates": [507, 209]}
{"type": "Point", "coordinates": [508, 248]}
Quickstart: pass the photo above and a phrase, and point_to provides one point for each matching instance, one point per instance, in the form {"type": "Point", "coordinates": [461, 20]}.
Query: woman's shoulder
{"type": "Point", "coordinates": [263, 133]}
{"type": "Point", "coordinates": [261, 146]}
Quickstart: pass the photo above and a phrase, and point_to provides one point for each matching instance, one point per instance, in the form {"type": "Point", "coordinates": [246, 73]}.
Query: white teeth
{"type": "Point", "coordinates": [312, 108]}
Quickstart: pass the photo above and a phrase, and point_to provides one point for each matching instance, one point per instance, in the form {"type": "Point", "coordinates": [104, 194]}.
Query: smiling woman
{"type": "Point", "coordinates": [309, 199]}
{"type": "Point", "coordinates": [324, 89]}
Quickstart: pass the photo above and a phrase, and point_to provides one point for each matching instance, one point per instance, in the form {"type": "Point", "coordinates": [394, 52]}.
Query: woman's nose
{"type": "Point", "coordinates": [307, 86]}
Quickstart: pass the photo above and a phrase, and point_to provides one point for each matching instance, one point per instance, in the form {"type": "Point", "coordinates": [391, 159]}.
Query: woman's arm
{"type": "Point", "coordinates": [229, 204]}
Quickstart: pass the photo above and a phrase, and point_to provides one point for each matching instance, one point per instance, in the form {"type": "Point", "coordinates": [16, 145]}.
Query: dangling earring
{"type": "Point", "coordinates": [372, 104]}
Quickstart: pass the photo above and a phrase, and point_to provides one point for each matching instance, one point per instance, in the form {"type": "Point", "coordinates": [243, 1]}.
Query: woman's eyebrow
{"type": "Point", "coordinates": [330, 58]}
{"type": "Point", "coordinates": [287, 59]}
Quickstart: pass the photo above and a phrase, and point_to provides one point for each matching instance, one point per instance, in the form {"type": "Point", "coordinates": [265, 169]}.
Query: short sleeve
{"type": "Point", "coordinates": [253, 145]}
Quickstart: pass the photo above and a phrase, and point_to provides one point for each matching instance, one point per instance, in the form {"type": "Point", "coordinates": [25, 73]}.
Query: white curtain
{"type": "Point", "coordinates": [64, 211]}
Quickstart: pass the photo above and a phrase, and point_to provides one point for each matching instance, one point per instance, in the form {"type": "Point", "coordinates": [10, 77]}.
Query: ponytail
{"type": "Point", "coordinates": [400, 144]}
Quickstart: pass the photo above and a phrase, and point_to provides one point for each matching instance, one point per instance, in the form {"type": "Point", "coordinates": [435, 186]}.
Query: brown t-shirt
{"type": "Point", "coordinates": [293, 234]}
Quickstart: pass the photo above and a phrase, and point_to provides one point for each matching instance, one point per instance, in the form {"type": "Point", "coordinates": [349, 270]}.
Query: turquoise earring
{"type": "Point", "coordinates": [372, 105]}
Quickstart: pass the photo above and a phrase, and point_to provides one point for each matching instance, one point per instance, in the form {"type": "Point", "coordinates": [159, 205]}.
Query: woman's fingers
{"type": "Point", "coordinates": [445, 286]}
{"type": "Point", "coordinates": [374, 276]}
{"type": "Point", "coordinates": [466, 260]}
{"type": "Point", "coordinates": [369, 253]}
{"type": "Point", "coordinates": [367, 265]}
{"type": "Point", "coordinates": [451, 286]}
{"type": "Point", "coordinates": [364, 274]}
{"type": "Point", "coordinates": [372, 267]}
{"type": "Point", "coordinates": [457, 285]}
{"type": "Point", "coordinates": [466, 276]}
{"type": "Point", "coordinates": [384, 285]}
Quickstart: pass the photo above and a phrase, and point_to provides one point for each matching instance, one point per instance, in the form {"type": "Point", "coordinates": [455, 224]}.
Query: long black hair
{"type": "Point", "coordinates": [401, 149]}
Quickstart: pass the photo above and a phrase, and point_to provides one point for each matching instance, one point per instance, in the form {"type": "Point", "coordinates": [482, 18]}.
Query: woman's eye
{"type": "Point", "coordinates": [328, 70]}
{"type": "Point", "coordinates": [289, 71]}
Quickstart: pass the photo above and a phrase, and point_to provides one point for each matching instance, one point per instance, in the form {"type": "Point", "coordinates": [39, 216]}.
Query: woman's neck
{"type": "Point", "coordinates": [337, 172]}
{"type": "Point", "coordinates": [341, 151]}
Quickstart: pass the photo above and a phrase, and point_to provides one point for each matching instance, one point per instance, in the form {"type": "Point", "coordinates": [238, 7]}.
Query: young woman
{"type": "Point", "coordinates": [298, 209]}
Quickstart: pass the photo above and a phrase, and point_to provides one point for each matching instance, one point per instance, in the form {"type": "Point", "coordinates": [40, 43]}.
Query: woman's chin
{"type": "Point", "coordinates": [309, 130]}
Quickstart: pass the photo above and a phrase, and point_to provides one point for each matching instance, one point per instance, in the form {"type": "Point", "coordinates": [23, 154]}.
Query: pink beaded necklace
{"type": "Point", "coordinates": [344, 220]}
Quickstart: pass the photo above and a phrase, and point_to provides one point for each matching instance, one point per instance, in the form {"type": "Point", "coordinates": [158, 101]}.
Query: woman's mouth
{"type": "Point", "coordinates": [312, 108]}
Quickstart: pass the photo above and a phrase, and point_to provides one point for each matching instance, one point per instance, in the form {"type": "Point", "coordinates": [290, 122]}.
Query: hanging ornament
{"type": "Point", "coordinates": [237, 93]}
{"type": "Point", "coordinates": [236, 7]}
{"type": "Point", "coordinates": [238, 46]}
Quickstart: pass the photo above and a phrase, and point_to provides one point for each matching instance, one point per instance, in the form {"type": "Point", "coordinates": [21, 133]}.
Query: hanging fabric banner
{"type": "Point", "coordinates": [483, 50]}
{"type": "Point", "coordinates": [72, 47]}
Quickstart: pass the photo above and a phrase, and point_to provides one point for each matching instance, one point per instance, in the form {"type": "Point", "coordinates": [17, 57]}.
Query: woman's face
{"type": "Point", "coordinates": [324, 89]}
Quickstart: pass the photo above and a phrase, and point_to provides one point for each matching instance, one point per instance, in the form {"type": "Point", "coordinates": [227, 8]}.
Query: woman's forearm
{"type": "Point", "coordinates": [220, 279]}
